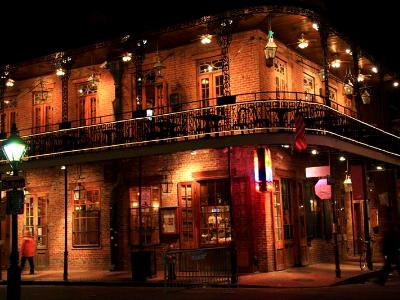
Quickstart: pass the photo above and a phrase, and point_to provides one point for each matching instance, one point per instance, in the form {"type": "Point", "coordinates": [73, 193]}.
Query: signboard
{"type": "Point", "coordinates": [323, 190]}
{"type": "Point", "coordinates": [321, 171]}
{"type": "Point", "coordinates": [15, 202]}
{"type": "Point", "coordinates": [9, 182]}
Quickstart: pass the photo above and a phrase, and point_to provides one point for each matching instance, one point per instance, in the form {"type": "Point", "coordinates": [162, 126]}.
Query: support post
{"type": "Point", "coordinates": [224, 39]}
{"type": "Point", "coordinates": [335, 239]}
{"type": "Point", "coordinates": [366, 219]}
{"type": "Point", "coordinates": [65, 275]}
{"type": "Point", "coordinates": [334, 224]}
{"type": "Point", "coordinates": [324, 33]}
{"type": "Point", "coordinates": [14, 271]}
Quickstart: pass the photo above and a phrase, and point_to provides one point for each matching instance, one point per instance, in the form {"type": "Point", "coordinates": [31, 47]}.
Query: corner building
{"type": "Point", "coordinates": [161, 136]}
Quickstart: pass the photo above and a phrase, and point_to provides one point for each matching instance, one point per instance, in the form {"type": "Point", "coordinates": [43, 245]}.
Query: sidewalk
{"type": "Point", "coordinates": [316, 275]}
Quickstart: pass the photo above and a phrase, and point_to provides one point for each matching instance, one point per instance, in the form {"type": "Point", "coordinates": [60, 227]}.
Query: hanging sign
{"type": "Point", "coordinates": [323, 190]}
{"type": "Point", "coordinates": [321, 171]}
{"type": "Point", "coordinates": [263, 169]}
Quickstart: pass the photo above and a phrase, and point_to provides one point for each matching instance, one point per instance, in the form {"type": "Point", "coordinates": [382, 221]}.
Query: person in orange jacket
{"type": "Point", "coordinates": [28, 250]}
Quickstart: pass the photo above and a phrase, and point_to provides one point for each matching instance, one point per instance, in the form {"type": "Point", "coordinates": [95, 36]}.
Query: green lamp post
{"type": "Point", "coordinates": [14, 149]}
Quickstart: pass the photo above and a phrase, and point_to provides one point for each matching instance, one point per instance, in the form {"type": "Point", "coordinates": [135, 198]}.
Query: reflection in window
{"type": "Point", "coordinates": [86, 219]}
{"type": "Point", "coordinates": [215, 224]}
{"type": "Point", "coordinates": [149, 227]}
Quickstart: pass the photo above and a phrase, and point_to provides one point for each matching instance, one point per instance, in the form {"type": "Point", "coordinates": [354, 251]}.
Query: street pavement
{"type": "Point", "coordinates": [315, 275]}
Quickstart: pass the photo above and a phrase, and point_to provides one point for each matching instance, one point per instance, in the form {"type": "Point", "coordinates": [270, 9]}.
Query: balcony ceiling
{"type": "Point", "coordinates": [287, 28]}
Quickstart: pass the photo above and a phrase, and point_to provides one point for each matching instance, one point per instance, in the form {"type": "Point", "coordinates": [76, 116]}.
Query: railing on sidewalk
{"type": "Point", "coordinates": [200, 267]}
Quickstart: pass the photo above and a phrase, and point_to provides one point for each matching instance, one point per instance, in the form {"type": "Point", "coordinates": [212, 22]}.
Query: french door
{"type": "Point", "coordinates": [36, 223]}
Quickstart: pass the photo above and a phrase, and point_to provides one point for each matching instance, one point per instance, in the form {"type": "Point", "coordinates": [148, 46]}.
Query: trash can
{"type": "Point", "coordinates": [142, 265]}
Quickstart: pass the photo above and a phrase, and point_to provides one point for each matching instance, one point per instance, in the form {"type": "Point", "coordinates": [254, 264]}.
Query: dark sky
{"type": "Point", "coordinates": [38, 28]}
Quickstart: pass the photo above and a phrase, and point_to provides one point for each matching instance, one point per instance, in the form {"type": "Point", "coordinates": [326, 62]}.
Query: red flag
{"type": "Point", "coordinates": [300, 140]}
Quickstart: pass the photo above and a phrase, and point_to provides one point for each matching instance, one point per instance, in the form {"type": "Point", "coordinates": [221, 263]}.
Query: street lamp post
{"type": "Point", "coordinates": [14, 149]}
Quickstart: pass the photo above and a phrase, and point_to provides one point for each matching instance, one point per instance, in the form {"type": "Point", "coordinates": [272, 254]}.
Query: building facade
{"type": "Point", "coordinates": [168, 143]}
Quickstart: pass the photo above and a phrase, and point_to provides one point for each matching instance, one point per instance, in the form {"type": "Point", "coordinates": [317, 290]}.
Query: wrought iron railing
{"type": "Point", "coordinates": [246, 116]}
{"type": "Point", "coordinates": [188, 105]}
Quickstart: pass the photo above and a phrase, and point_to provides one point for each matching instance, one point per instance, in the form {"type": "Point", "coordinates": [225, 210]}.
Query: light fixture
{"type": "Point", "coordinates": [395, 83]}
{"type": "Point", "coordinates": [374, 69]}
{"type": "Point", "coordinates": [79, 192]}
{"type": "Point", "coordinates": [314, 152]}
{"type": "Point", "coordinates": [348, 84]}
{"type": "Point", "coordinates": [322, 74]}
{"type": "Point", "coordinates": [347, 181]}
{"type": "Point", "coordinates": [205, 39]}
{"type": "Point", "coordinates": [62, 63]}
{"type": "Point", "coordinates": [360, 77]}
{"type": "Point", "coordinates": [10, 82]}
{"type": "Point", "coordinates": [93, 80]}
{"type": "Point", "coordinates": [158, 66]}
{"type": "Point", "coordinates": [379, 168]}
{"type": "Point", "coordinates": [270, 47]}
{"type": "Point", "coordinates": [365, 96]}
{"type": "Point", "coordinates": [127, 56]}
{"type": "Point", "coordinates": [348, 51]}
{"type": "Point", "coordinates": [302, 43]}
{"type": "Point", "coordinates": [315, 25]}
{"type": "Point", "coordinates": [60, 72]}
{"type": "Point", "coordinates": [336, 63]}
{"type": "Point", "coordinates": [14, 148]}
{"type": "Point", "coordinates": [342, 158]}
{"type": "Point", "coordinates": [166, 183]}
{"type": "Point", "coordinates": [348, 88]}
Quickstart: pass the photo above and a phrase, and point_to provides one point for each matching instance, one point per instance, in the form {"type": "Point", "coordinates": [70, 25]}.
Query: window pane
{"type": "Point", "coordinates": [215, 223]}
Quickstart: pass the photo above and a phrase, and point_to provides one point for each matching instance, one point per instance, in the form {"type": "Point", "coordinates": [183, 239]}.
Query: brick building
{"type": "Point", "coordinates": [161, 139]}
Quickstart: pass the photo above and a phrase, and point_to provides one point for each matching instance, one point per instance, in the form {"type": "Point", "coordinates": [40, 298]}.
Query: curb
{"type": "Point", "coordinates": [362, 278]}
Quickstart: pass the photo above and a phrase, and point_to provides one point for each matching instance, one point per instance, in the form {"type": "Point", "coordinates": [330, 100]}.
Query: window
{"type": "Point", "coordinates": [312, 206]}
{"type": "Point", "coordinates": [280, 78]}
{"type": "Point", "coordinates": [42, 111]}
{"type": "Point", "coordinates": [287, 209]}
{"type": "Point", "coordinates": [333, 94]}
{"type": "Point", "coordinates": [8, 116]}
{"type": "Point", "coordinates": [211, 81]}
{"type": "Point", "coordinates": [86, 219]}
{"type": "Point", "coordinates": [215, 223]}
{"type": "Point", "coordinates": [145, 231]}
{"type": "Point", "coordinates": [35, 219]}
{"type": "Point", "coordinates": [155, 94]}
{"type": "Point", "coordinates": [87, 99]}
{"type": "Point", "coordinates": [187, 214]}
{"type": "Point", "coordinates": [309, 86]}
{"type": "Point", "coordinates": [277, 212]}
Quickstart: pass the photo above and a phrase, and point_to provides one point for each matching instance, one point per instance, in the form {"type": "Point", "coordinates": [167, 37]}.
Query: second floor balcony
{"type": "Point", "coordinates": [247, 115]}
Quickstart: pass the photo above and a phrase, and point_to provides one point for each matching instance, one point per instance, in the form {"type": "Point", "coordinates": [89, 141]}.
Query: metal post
{"type": "Point", "coordinates": [334, 225]}
{"type": "Point", "coordinates": [234, 277]}
{"type": "Point", "coordinates": [14, 271]}
{"type": "Point", "coordinates": [224, 38]}
{"type": "Point", "coordinates": [65, 224]}
{"type": "Point", "coordinates": [335, 239]}
{"type": "Point", "coordinates": [324, 33]}
{"type": "Point", "coordinates": [366, 219]}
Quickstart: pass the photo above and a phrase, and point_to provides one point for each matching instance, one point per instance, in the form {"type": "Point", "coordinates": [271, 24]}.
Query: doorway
{"type": "Point", "coordinates": [35, 222]}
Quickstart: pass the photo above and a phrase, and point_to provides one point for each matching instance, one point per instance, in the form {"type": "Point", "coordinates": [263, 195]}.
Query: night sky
{"type": "Point", "coordinates": [36, 28]}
